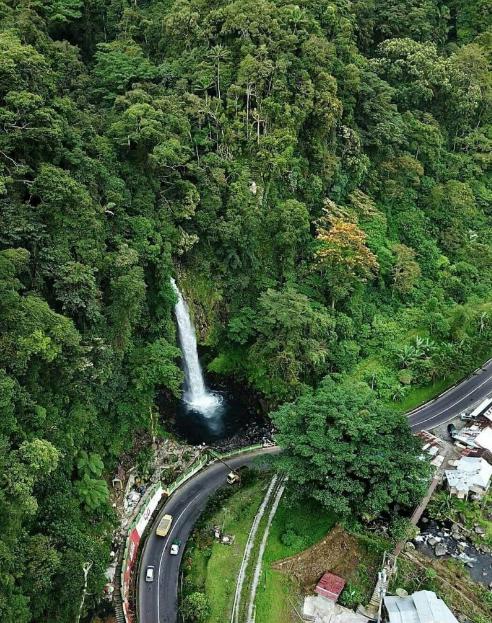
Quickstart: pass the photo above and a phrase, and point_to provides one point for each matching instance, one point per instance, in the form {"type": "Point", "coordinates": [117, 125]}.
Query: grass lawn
{"type": "Point", "coordinates": [306, 524]}
{"type": "Point", "coordinates": [212, 568]}
{"type": "Point", "coordinates": [419, 395]}
{"type": "Point", "coordinates": [277, 594]}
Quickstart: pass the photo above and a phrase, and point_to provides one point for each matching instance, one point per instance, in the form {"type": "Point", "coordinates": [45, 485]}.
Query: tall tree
{"type": "Point", "coordinates": [349, 452]}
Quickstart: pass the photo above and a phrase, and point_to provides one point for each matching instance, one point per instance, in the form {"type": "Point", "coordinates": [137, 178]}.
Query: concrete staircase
{"type": "Point", "coordinates": [372, 609]}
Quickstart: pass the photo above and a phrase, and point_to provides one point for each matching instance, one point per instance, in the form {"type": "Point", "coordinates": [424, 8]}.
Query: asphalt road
{"type": "Point", "coordinates": [454, 401]}
{"type": "Point", "coordinates": [157, 601]}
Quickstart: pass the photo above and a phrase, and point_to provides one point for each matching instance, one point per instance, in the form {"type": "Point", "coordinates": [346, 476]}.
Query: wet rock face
{"type": "Point", "coordinates": [252, 434]}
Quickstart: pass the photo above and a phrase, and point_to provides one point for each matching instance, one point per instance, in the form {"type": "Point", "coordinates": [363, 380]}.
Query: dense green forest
{"type": "Point", "coordinates": [315, 174]}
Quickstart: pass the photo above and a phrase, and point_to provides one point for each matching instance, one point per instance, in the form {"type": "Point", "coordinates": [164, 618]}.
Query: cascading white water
{"type": "Point", "coordinates": [196, 394]}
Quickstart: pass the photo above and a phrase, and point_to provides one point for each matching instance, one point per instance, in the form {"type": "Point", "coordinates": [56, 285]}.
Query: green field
{"type": "Point", "coordinates": [212, 568]}
{"type": "Point", "coordinates": [277, 594]}
{"type": "Point", "coordinates": [420, 395]}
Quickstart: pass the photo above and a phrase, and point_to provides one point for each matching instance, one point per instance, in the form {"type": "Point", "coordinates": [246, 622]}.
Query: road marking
{"type": "Point", "coordinates": [453, 405]}
{"type": "Point", "coordinates": [174, 524]}
{"type": "Point", "coordinates": [476, 372]}
{"type": "Point", "coordinates": [451, 417]}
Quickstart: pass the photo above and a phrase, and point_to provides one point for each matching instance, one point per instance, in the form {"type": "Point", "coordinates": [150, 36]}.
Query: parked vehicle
{"type": "Point", "coordinates": [232, 478]}
{"type": "Point", "coordinates": [235, 476]}
{"type": "Point", "coordinates": [452, 430]}
{"type": "Point", "coordinates": [466, 416]}
{"type": "Point", "coordinates": [176, 544]}
{"type": "Point", "coordinates": [164, 525]}
{"type": "Point", "coordinates": [149, 575]}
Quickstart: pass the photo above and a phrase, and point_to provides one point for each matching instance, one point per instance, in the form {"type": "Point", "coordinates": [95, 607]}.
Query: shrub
{"type": "Point", "coordinates": [290, 538]}
{"type": "Point", "coordinates": [351, 596]}
{"type": "Point", "coordinates": [195, 608]}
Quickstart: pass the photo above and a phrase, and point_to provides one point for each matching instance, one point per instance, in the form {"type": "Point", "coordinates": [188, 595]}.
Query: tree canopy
{"type": "Point", "coordinates": [316, 175]}
{"type": "Point", "coordinates": [347, 450]}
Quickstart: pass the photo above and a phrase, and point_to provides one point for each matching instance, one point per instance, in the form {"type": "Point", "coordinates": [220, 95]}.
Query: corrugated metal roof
{"type": "Point", "coordinates": [431, 609]}
{"type": "Point", "coordinates": [421, 607]}
{"type": "Point", "coordinates": [401, 610]}
{"type": "Point", "coordinates": [470, 472]}
{"type": "Point", "coordinates": [483, 406]}
{"type": "Point", "coordinates": [484, 439]}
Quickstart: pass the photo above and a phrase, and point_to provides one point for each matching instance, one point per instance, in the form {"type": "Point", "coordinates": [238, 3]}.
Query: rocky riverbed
{"type": "Point", "coordinates": [452, 541]}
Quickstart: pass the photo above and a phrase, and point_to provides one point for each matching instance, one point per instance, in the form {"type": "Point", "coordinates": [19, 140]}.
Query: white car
{"type": "Point", "coordinates": [175, 547]}
{"type": "Point", "coordinates": [149, 575]}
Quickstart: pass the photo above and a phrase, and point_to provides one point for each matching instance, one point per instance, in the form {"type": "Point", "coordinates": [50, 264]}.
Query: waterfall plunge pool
{"type": "Point", "coordinates": [208, 414]}
{"type": "Point", "coordinates": [235, 423]}
{"type": "Point", "coordinates": [233, 416]}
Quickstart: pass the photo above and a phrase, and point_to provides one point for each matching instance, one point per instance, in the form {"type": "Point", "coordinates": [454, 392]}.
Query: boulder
{"type": "Point", "coordinates": [401, 592]}
{"type": "Point", "coordinates": [440, 549]}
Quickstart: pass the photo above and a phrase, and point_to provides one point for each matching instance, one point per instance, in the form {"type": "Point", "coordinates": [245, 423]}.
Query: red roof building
{"type": "Point", "coordinates": [330, 586]}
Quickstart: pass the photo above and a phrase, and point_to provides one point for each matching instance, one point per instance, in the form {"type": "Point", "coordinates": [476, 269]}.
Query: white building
{"type": "Point", "coordinates": [484, 408]}
{"type": "Point", "coordinates": [421, 607]}
{"type": "Point", "coordinates": [472, 475]}
{"type": "Point", "coordinates": [318, 609]}
{"type": "Point", "coordinates": [484, 439]}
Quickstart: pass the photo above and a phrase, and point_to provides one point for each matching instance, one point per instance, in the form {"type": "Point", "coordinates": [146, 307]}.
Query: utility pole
{"type": "Point", "coordinates": [217, 456]}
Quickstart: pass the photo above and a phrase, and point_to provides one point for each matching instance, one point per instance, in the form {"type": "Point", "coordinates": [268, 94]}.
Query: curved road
{"type": "Point", "coordinates": [157, 601]}
{"type": "Point", "coordinates": [455, 400]}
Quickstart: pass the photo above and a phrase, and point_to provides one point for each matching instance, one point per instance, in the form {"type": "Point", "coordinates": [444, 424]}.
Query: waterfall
{"type": "Point", "coordinates": [196, 394]}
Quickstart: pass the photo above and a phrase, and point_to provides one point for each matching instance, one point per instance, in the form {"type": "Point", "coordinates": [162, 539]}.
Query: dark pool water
{"type": "Point", "coordinates": [227, 419]}
{"type": "Point", "coordinates": [236, 421]}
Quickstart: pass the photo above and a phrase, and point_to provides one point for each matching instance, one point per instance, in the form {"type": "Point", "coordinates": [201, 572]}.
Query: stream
{"type": "Point", "coordinates": [447, 540]}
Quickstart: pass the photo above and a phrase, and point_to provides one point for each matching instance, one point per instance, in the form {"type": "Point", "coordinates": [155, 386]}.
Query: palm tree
{"type": "Point", "coordinates": [424, 345]}
{"type": "Point", "coordinates": [407, 355]}
{"type": "Point", "coordinates": [296, 17]}
{"type": "Point", "coordinates": [202, 83]}
{"type": "Point", "coordinates": [482, 321]}
{"type": "Point", "coordinates": [399, 393]}
{"type": "Point", "coordinates": [218, 53]}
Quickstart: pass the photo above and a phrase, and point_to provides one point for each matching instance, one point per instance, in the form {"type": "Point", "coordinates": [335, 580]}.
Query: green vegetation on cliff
{"type": "Point", "coordinates": [320, 169]}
